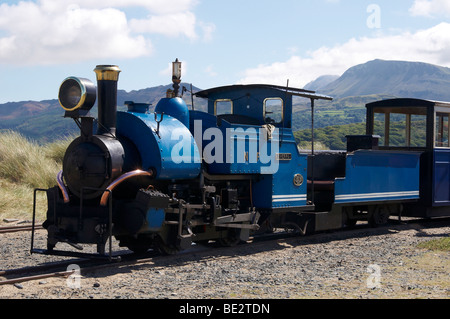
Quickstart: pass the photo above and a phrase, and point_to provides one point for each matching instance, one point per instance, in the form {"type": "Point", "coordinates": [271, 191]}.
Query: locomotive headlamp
{"type": "Point", "coordinates": [176, 76]}
{"type": "Point", "coordinates": [77, 96]}
{"type": "Point", "coordinates": [176, 71]}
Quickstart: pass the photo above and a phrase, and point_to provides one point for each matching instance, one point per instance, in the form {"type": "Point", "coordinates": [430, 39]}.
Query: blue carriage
{"type": "Point", "coordinates": [400, 167]}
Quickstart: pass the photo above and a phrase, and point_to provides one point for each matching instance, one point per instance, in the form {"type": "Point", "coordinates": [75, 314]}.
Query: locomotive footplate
{"type": "Point", "coordinates": [239, 221]}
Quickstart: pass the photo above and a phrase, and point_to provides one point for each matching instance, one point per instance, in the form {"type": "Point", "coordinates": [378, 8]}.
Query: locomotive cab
{"type": "Point", "coordinates": [254, 123]}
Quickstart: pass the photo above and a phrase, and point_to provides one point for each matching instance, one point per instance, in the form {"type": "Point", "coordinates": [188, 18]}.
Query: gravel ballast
{"type": "Point", "coordinates": [356, 264]}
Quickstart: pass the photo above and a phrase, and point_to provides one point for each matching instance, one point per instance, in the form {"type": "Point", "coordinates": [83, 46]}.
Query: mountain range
{"type": "Point", "coordinates": [396, 78]}
{"type": "Point", "coordinates": [378, 79]}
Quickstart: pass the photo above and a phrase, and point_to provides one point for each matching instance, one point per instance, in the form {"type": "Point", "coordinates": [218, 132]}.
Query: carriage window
{"type": "Point", "coordinates": [397, 130]}
{"type": "Point", "coordinates": [442, 130]}
{"type": "Point", "coordinates": [223, 107]}
{"type": "Point", "coordinates": [400, 129]}
{"type": "Point", "coordinates": [418, 130]}
{"type": "Point", "coordinates": [379, 127]}
{"type": "Point", "coordinates": [273, 110]}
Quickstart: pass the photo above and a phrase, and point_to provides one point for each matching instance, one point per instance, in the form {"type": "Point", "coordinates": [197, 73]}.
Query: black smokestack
{"type": "Point", "coordinates": [107, 77]}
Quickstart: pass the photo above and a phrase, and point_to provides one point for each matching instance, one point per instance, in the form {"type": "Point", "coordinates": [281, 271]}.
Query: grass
{"type": "Point", "coordinates": [24, 162]}
{"type": "Point", "coordinates": [25, 165]}
{"type": "Point", "coordinates": [442, 244]}
{"type": "Point", "coordinates": [16, 201]}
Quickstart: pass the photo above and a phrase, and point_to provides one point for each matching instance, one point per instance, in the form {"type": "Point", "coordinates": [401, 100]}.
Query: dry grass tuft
{"type": "Point", "coordinates": [25, 165]}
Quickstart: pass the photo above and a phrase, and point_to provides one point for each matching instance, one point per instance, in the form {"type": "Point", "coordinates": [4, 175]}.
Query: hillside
{"type": "Point", "coordinates": [369, 82]}
{"type": "Point", "coordinates": [340, 111]}
{"type": "Point", "coordinates": [397, 78]}
{"type": "Point", "coordinates": [321, 82]}
{"type": "Point", "coordinates": [43, 121]}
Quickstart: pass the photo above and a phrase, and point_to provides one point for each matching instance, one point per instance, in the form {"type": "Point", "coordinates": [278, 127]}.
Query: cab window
{"type": "Point", "coordinates": [223, 107]}
{"type": "Point", "coordinates": [273, 110]}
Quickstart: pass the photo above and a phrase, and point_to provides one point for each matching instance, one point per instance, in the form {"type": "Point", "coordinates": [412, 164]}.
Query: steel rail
{"type": "Point", "coordinates": [18, 228]}
{"type": "Point", "coordinates": [36, 277]}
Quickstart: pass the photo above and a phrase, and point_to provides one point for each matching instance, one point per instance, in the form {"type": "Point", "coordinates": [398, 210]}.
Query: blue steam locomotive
{"type": "Point", "coordinates": [168, 178]}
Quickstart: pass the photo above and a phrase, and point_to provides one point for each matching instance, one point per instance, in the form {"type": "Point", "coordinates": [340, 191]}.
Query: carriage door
{"type": "Point", "coordinates": [441, 161]}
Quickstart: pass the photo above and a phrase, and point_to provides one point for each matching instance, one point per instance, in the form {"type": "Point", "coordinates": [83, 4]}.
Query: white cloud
{"type": "Point", "coordinates": [429, 8]}
{"type": "Point", "coordinates": [173, 24]}
{"type": "Point", "coordinates": [154, 6]}
{"type": "Point", "coordinates": [430, 45]}
{"type": "Point", "coordinates": [62, 31]}
{"type": "Point", "coordinates": [208, 30]}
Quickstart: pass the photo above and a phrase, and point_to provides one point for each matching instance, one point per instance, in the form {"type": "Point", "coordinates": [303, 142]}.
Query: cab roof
{"type": "Point", "coordinates": [289, 90]}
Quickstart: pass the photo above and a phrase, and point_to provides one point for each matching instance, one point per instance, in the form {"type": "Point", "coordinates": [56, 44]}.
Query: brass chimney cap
{"type": "Point", "coordinates": [107, 72]}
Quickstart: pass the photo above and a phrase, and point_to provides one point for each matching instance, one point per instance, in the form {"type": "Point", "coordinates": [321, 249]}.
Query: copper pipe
{"type": "Point", "coordinates": [118, 181]}
{"type": "Point", "coordinates": [62, 187]}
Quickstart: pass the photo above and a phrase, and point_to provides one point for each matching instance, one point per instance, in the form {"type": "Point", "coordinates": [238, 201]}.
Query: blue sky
{"type": "Point", "coordinates": [219, 42]}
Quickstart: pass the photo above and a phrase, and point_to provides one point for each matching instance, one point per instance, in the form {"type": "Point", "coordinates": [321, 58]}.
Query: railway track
{"type": "Point", "coordinates": [18, 228]}
{"type": "Point", "coordinates": [59, 268]}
